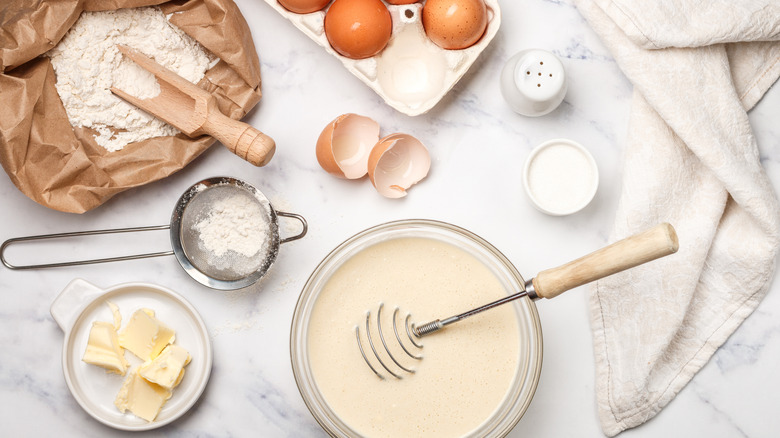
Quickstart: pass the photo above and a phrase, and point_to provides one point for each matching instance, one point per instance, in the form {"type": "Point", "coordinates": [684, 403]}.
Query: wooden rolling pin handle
{"type": "Point", "coordinates": [632, 251]}
{"type": "Point", "coordinates": [241, 138]}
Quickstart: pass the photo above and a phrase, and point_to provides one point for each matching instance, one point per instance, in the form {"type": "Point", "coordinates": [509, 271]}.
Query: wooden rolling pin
{"type": "Point", "coordinates": [194, 112]}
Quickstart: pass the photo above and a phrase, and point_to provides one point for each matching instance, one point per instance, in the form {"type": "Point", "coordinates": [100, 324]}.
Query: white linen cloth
{"type": "Point", "coordinates": [691, 160]}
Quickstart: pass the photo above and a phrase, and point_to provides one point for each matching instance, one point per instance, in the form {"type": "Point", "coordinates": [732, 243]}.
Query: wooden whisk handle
{"type": "Point", "coordinates": [632, 251]}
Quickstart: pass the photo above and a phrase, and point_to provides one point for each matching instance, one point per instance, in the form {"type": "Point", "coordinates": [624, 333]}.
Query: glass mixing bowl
{"type": "Point", "coordinates": [506, 415]}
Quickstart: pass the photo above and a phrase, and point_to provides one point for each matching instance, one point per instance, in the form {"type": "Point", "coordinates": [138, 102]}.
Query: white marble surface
{"type": "Point", "coordinates": [478, 147]}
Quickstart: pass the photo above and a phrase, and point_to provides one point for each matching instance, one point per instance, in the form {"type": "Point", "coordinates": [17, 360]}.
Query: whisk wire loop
{"type": "Point", "coordinates": [387, 350]}
{"type": "Point", "coordinates": [371, 344]}
{"type": "Point", "coordinates": [410, 330]}
{"type": "Point", "coordinates": [363, 353]}
{"type": "Point", "coordinates": [408, 333]}
{"type": "Point", "coordinates": [382, 338]}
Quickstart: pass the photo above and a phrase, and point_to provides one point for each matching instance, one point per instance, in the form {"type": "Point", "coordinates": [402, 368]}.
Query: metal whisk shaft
{"type": "Point", "coordinates": [438, 324]}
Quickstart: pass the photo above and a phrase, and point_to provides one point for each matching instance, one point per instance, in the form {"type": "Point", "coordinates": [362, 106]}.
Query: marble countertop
{"type": "Point", "coordinates": [478, 146]}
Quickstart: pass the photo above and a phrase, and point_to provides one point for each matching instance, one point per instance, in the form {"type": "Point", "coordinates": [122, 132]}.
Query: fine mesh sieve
{"type": "Point", "coordinates": [233, 269]}
{"type": "Point", "coordinates": [224, 270]}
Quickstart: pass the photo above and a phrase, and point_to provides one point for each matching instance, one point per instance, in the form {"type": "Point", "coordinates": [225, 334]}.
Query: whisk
{"type": "Point", "coordinates": [630, 252]}
{"type": "Point", "coordinates": [410, 336]}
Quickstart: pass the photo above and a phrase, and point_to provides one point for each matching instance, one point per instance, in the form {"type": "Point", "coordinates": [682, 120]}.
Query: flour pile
{"type": "Point", "coordinates": [235, 224]}
{"type": "Point", "coordinates": [87, 64]}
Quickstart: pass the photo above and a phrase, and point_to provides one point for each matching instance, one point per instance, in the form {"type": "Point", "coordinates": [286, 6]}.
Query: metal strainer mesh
{"type": "Point", "coordinates": [230, 265]}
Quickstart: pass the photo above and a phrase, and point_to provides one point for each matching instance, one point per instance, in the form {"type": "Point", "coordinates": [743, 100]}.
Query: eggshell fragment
{"type": "Point", "coordinates": [345, 144]}
{"type": "Point", "coordinates": [396, 163]}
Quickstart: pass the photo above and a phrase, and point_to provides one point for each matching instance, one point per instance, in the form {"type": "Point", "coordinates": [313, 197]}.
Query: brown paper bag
{"type": "Point", "coordinates": [64, 168]}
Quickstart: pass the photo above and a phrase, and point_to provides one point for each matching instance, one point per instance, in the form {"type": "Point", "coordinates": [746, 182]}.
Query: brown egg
{"type": "Point", "coordinates": [304, 6]}
{"type": "Point", "coordinates": [454, 24]}
{"type": "Point", "coordinates": [358, 29]}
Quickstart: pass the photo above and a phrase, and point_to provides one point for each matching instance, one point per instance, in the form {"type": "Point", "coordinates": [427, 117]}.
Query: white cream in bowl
{"type": "Point", "coordinates": [560, 177]}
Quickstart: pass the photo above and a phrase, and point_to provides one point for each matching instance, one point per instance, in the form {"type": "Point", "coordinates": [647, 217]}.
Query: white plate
{"type": "Point", "coordinates": [81, 303]}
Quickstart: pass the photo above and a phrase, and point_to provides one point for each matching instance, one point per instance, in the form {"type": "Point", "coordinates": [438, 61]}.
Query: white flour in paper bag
{"type": "Point", "coordinates": [87, 64]}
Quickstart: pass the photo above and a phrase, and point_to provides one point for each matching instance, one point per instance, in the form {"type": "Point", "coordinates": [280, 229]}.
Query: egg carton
{"type": "Point", "coordinates": [412, 73]}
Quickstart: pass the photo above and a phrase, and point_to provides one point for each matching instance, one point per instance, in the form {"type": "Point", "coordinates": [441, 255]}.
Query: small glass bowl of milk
{"type": "Point", "coordinates": [560, 177]}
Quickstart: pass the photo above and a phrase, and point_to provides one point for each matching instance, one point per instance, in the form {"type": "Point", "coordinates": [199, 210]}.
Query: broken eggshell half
{"type": "Point", "coordinates": [396, 163]}
{"type": "Point", "coordinates": [345, 144]}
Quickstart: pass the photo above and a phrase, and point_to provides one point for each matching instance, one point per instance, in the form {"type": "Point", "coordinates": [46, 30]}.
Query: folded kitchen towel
{"type": "Point", "coordinates": [691, 159]}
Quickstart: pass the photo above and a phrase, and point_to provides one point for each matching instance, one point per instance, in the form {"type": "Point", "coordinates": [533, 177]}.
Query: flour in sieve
{"type": "Point", "coordinates": [87, 64]}
{"type": "Point", "coordinates": [236, 223]}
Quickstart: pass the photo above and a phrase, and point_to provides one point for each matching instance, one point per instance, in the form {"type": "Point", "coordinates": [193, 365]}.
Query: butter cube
{"type": "Point", "coordinates": [145, 336]}
{"type": "Point", "coordinates": [142, 398]}
{"type": "Point", "coordinates": [167, 369]}
{"type": "Point", "coordinates": [103, 348]}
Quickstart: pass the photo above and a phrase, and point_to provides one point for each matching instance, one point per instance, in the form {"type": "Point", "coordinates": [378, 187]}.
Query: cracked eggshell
{"type": "Point", "coordinates": [345, 144]}
{"type": "Point", "coordinates": [396, 163]}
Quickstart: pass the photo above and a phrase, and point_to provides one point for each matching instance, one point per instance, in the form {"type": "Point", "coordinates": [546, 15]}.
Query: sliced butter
{"type": "Point", "coordinates": [167, 369]}
{"type": "Point", "coordinates": [103, 348]}
{"type": "Point", "coordinates": [145, 336]}
{"type": "Point", "coordinates": [142, 398]}
{"type": "Point", "coordinates": [115, 312]}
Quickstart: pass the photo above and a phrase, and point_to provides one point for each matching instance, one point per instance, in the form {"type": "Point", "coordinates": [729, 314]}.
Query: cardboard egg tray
{"type": "Point", "coordinates": [412, 73]}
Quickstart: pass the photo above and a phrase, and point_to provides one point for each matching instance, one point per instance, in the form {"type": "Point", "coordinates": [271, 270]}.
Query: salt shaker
{"type": "Point", "coordinates": [533, 82]}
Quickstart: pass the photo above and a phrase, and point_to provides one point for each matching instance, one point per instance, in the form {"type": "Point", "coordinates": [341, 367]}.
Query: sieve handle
{"type": "Point", "coordinates": [632, 251]}
{"type": "Point", "coordinates": [304, 224]}
{"type": "Point", "coordinates": [17, 240]}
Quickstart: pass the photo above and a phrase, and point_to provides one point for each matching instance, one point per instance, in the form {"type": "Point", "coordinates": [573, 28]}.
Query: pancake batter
{"type": "Point", "coordinates": [467, 369]}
